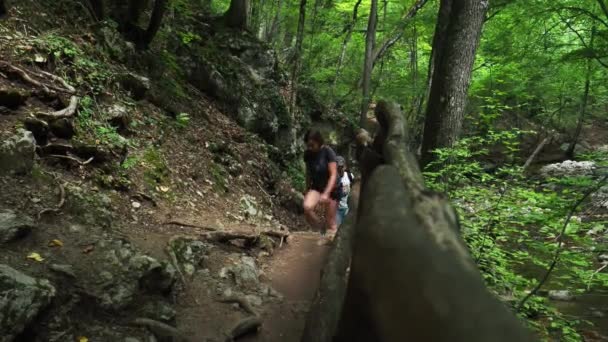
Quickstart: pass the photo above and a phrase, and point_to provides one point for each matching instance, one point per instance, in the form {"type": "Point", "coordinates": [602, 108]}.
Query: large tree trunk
{"type": "Point", "coordinates": [368, 64]}
{"type": "Point", "coordinates": [411, 276]}
{"type": "Point", "coordinates": [3, 10]}
{"type": "Point", "coordinates": [98, 9]}
{"type": "Point", "coordinates": [581, 118]}
{"type": "Point", "coordinates": [453, 56]}
{"type": "Point", "coordinates": [238, 14]}
{"type": "Point", "coordinates": [136, 8]}
{"type": "Point", "coordinates": [160, 7]}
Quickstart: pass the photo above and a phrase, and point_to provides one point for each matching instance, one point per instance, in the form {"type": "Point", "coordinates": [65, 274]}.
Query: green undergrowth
{"type": "Point", "coordinates": [511, 223]}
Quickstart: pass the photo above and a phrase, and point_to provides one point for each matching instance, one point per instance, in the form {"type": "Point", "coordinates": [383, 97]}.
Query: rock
{"type": "Point", "coordinates": [12, 98]}
{"type": "Point", "coordinates": [119, 116]}
{"type": "Point", "coordinates": [39, 128]}
{"type": "Point", "coordinates": [189, 252]}
{"type": "Point", "coordinates": [246, 272]}
{"type": "Point", "coordinates": [135, 205]}
{"type": "Point", "coordinates": [21, 299]}
{"type": "Point", "coordinates": [137, 85]}
{"type": "Point", "coordinates": [602, 258]}
{"type": "Point", "coordinates": [580, 148]}
{"type": "Point", "coordinates": [249, 206]}
{"type": "Point", "coordinates": [254, 300]}
{"type": "Point", "coordinates": [597, 313]}
{"type": "Point", "coordinates": [569, 168]}
{"type": "Point", "coordinates": [159, 311]}
{"type": "Point", "coordinates": [131, 339]}
{"type": "Point", "coordinates": [17, 153]}
{"type": "Point", "coordinates": [561, 295]}
{"type": "Point", "coordinates": [66, 270]}
{"type": "Point", "coordinates": [122, 272]}
{"type": "Point", "coordinates": [599, 199]}
{"type": "Point", "coordinates": [13, 227]}
{"type": "Point", "coordinates": [62, 128]}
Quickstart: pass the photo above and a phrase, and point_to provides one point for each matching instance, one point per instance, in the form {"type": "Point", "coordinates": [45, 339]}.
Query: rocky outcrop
{"type": "Point", "coordinates": [121, 272]}
{"type": "Point", "coordinates": [569, 168]}
{"type": "Point", "coordinates": [22, 298]}
{"type": "Point", "coordinates": [243, 74]}
{"type": "Point", "coordinates": [13, 227]}
{"type": "Point", "coordinates": [17, 153]}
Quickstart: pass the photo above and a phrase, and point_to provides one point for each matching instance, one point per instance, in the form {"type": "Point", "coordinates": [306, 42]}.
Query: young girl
{"type": "Point", "coordinates": [321, 183]}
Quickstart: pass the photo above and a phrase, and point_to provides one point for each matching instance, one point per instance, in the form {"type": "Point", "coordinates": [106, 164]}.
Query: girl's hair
{"type": "Point", "coordinates": [314, 135]}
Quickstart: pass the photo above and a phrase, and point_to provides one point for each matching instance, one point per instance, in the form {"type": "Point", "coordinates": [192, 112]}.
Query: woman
{"type": "Point", "coordinates": [321, 183]}
{"type": "Point", "coordinates": [345, 182]}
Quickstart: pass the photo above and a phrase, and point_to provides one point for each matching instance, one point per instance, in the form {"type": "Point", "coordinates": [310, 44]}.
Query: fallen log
{"type": "Point", "coordinates": [411, 276]}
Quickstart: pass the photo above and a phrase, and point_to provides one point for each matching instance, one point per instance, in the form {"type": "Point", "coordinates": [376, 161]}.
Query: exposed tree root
{"type": "Point", "coordinates": [68, 157]}
{"type": "Point", "coordinates": [243, 327]}
{"type": "Point", "coordinates": [241, 301]}
{"type": "Point", "coordinates": [67, 112]}
{"type": "Point", "coordinates": [59, 205]}
{"type": "Point", "coordinates": [161, 330]}
{"type": "Point", "coordinates": [48, 89]}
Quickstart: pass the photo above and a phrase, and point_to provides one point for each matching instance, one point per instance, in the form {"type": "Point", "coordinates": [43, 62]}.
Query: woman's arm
{"type": "Point", "coordinates": [333, 175]}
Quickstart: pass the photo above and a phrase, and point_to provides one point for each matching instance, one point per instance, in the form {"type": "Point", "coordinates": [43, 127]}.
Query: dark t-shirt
{"type": "Point", "coordinates": [317, 166]}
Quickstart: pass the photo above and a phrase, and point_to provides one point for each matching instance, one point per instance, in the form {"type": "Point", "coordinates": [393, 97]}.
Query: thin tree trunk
{"type": "Point", "coordinates": [453, 57]}
{"type": "Point", "coordinates": [156, 19]}
{"type": "Point", "coordinates": [581, 118]}
{"type": "Point", "coordinates": [297, 54]}
{"type": "Point", "coordinates": [349, 34]}
{"type": "Point", "coordinates": [274, 27]}
{"type": "Point", "coordinates": [368, 64]}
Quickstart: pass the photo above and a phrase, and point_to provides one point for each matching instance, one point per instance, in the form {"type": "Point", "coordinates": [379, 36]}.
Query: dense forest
{"type": "Point", "coordinates": [153, 121]}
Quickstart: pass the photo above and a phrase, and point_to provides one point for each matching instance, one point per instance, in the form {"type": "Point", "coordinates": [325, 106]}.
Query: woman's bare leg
{"type": "Point", "coordinates": [311, 200]}
{"type": "Point", "coordinates": [330, 216]}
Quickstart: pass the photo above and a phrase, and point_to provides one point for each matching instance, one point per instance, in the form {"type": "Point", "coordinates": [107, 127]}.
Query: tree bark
{"type": "Point", "coordinates": [238, 14]}
{"type": "Point", "coordinates": [297, 54]}
{"type": "Point", "coordinates": [97, 8]}
{"type": "Point", "coordinates": [3, 10]}
{"type": "Point", "coordinates": [581, 118]}
{"type": "Point", "coordinates": [453, 56]}
{"type": "Point", "coordinates": [368, 64]}
{"type": "Point", "coordinates": [136, 8]}
{"type": "Point", "coordinates": [160, 7]}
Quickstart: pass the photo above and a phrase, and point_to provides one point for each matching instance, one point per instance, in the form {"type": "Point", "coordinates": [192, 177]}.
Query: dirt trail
{"type": "Point", "coordinates": [294, 271]}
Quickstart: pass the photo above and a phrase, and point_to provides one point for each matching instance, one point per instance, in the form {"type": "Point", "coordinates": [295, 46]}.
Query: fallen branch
{"type": "Point", "coordinates": [243, 327]}
{"type": "Point", "coordinates": [161, 330]}
{"type": "Point", "coordinates": [191, 225]}
{"type": "Point", "coordinates": [241, 301]}
{"type": "Point", "coordinates": [225, 236]}
{"type": "Point", "coordinates": [77, 160]}
{"type": "Point", "coordinates": [593, 275]}
{"type": "Point", "coordinates": [59, 205]}
{"type": "Point", "coordinates": [535, 153]}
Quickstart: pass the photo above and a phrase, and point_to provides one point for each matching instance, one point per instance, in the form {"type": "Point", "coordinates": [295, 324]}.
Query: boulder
{"type": "Point", "coordinates": [122, 272]}
{"type": "Point", "coordinates": [569, 168]}
{"type": "Point", "coordinates": [17, 153]}
{"type": "Point", "coordinates": [118, 116]}
{"type": "Point", "coordinates": [39, 128]}
{"type": "Point", "coordinates": [137, 85]}
{"type": "Point", "coordinates": [13, 227]}
{"type": "Point", "coordinates": [561, 295]}
{"type": "Point", "coordinates": [22, 298]}
{"type": "Point", "coordinates": [12, 98]}
{"type": "Point", "coordinates": [246, 272]}
{"type": "Point", "coordinates": [158, 311]}
{"type": "Point", "coordinates": [62, 128]}
{"type": "Point", "coordinates": [189, 252]}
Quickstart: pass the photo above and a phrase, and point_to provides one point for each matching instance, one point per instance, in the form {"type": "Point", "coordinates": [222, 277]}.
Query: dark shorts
{"type": "Point", "coordinates": [335, 194]}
